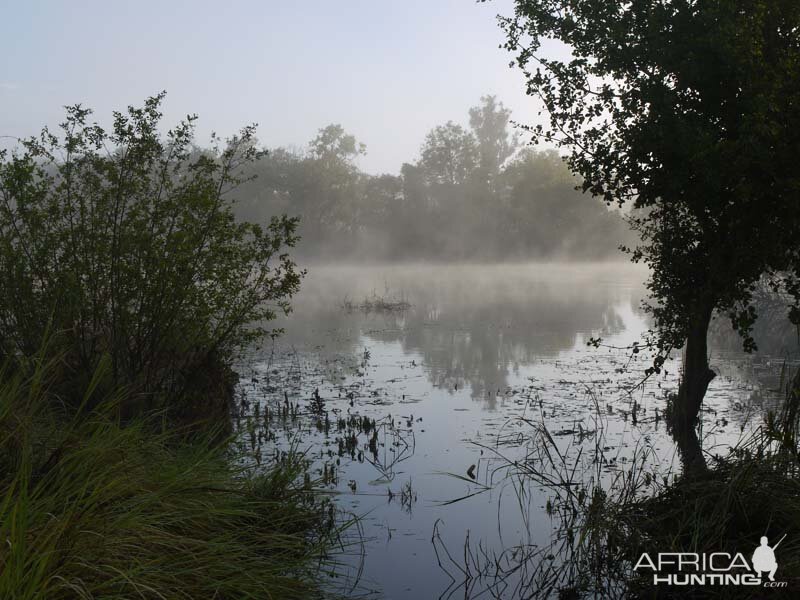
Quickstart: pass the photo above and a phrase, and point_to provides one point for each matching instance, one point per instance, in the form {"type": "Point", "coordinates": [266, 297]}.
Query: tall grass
{"type": "Point", "coordinates": [604, 521]}
{"type": "Point", "coordinates": [587, 553]}
{"type": "Point", "coordinates": [93, 509]}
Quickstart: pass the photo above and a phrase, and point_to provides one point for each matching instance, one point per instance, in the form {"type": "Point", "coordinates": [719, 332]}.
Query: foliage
{"type": "Point", "coordinates": [546, 213]}
{"type": "Point", "coordinates": [123, 242]}
{"type": "Point", "coordinates": [489, 123]}
{"type": "Point", "coordinates": [467, 198]}
{"type": "Point", "coordinates": [449, 155]}
{"type": "Point", "coordinates": [689, 111]}
{"type": "Point", "coordinates": [333, 143]}
{"type": "Point", "coordinates": [89, 509]}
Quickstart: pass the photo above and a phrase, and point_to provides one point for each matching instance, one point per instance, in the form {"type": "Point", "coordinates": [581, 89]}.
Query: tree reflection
{"type": "Point", "coordinates": [471, 326]}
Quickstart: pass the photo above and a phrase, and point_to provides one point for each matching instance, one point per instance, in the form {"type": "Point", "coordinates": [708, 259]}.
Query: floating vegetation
{"type": "Point", "coordinates": [605, 515]}
{"type": "Point", "coordinates": [317, 405]}
{"type": "Point", "coordinates": [407, 496]}
{"type": "Point", "coordinates": [356, 390]}
{"type": "Point", "coordinates": [375, 303]}
{"type": "Point", "coordinates": [280, 408]}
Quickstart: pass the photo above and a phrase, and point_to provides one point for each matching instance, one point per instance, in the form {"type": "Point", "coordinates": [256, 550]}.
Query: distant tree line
{"type": "Point", "coordinates": [474, 194]}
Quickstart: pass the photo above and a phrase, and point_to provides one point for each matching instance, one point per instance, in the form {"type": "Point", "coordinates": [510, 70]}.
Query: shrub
{"type": "Point", "coordinates": [123, 242]}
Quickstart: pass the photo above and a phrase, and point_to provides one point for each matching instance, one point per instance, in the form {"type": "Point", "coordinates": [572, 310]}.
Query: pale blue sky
{"type": "Point", "coordinates": [387, 70]}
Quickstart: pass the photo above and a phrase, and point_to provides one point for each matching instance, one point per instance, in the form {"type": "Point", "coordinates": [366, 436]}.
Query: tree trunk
{"type": "Point", "coordinates": [694, 384]}
{"type": "Point", "coordinates": [696, 373]}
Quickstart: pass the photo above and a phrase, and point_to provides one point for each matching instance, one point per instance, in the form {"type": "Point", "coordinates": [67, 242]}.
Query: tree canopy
{"type": "Point", "coordinates": [489, 122]}
{"type": "Point", "coordinates": [471, 195]}
{"type": "Point", "coordinates": [449, 155]}
{"type": "Point", "coordinates": [687, 110]}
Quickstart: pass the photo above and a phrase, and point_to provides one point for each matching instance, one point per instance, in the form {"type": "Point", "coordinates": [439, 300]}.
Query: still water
{"type": "Point", "coordinates": [457, 376]}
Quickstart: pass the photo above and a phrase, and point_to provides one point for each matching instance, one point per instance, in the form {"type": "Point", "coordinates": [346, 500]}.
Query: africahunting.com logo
{"type": "Point", "coordinates": [717, 568]}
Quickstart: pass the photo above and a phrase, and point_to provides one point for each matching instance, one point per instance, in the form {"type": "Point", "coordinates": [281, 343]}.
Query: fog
{"type": "Point", "coordinates": [471, 324]}
{"type": "Point", "coordinates": [476, 192]}
{"type": "Point", "coordinates": [307, 299]}
{"type": "Point", "coordinates": [388, 71]}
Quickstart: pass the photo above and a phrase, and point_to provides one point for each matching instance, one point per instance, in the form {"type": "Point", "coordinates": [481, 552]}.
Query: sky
{"type": "Point", "coordinates": [387, 70]}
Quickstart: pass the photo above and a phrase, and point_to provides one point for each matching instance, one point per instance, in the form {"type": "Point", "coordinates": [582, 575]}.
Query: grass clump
{"type": "Point", "coordinates": [375, 303]}
{"type": "Point", "coordinates": [604, 519]}
{"type": "Point", "coordinates": [92, 509]}
{"type": "Point", "coordinates": [753, 492]}
{"type": "Point", "coordinates": [605, 527]}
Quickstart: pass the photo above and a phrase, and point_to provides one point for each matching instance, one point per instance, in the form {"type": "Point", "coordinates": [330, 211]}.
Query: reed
{"type": "Point", "coordinates": [90, 508]}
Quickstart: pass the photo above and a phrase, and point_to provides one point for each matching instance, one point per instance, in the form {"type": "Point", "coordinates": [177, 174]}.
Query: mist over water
{"type": "Point", "coordinates": [384, 300]}
{"type": "Point", "coordinates": [474, 193]}
{"type": "Point", "coordinates": [472, 351]}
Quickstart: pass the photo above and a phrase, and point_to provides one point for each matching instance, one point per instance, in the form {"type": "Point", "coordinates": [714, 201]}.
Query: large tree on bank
{"type": "Point", "coordinates": [690, 111]}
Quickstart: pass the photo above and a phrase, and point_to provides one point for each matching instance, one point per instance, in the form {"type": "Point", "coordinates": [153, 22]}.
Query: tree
{"type": "Point", "coordinates": [334, 144]}
{"type": "Point", "coordinates": [546, 216]}
{"type": "Point", "coordinates": [690, 111]}
{"type": "Point", "coordinates": [330, 180]}
{"type": "Point", "coordinates": [271, 186]}
{"type": "Point", "coordinates": [380, 204]}
{"type": "Point", "coordinates": [123, 244]}
{"type": "Point", "coordinates": [489, 123]}
{"type": "Point", "coordinates": [449, 155]}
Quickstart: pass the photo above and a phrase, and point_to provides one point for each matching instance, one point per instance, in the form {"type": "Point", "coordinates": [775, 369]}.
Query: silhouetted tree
{"type": "Point", "coordinates": [689, 110]}
{"type": "Point", "coordinates": [333, 144]}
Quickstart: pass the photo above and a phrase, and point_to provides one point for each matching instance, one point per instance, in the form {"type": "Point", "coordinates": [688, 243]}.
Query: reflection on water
{"type": "Point", "coordinates": [479, 349]}
{"type": "Point", "coordinates": [471, 325]}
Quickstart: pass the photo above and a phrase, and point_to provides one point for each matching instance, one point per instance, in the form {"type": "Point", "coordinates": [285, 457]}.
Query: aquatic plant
{"type": "Point", "coordinates": [92, 509]}
{"type": "Point", "coordinates": [607, 515]}
{"type": "Point", "coordinates": [375, 303]}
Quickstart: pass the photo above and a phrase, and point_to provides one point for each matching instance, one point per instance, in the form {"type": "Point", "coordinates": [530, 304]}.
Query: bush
{"type": "Point", "coordinates": [124, 243]}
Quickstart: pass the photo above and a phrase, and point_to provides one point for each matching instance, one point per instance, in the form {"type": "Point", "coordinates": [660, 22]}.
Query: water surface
{"type": "Point", "coordinates": [480, 354]}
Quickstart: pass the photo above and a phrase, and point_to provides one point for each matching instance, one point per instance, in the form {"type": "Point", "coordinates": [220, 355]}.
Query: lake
{"type": "Point", "coordinates": [403, 409]}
